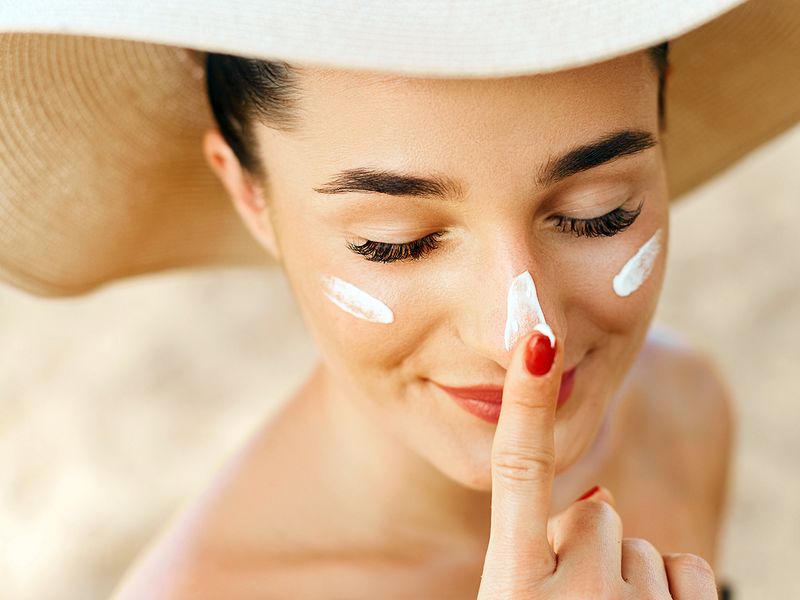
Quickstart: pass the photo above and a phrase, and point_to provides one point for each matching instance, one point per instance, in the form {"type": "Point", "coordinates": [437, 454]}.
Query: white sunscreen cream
{"type": "Point", "coordinates": [524, 313]}
{"type": "Point", "coordinates": [635, 271]}
{"type": "Point", "coordinates": [355, 301]}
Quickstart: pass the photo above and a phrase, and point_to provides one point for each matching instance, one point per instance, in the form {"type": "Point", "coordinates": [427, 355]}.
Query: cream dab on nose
{"type": "Point", "coordinates": [355, 301]}
{"type": "Point", "coordinates": [524, 313]}
{"type": "Point", "coordinates": [634, 272]}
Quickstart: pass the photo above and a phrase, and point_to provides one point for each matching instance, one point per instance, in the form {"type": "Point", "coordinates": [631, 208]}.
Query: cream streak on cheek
{"type": "Point", "coordinates": [638, 268]}
{"type": "Point", "coordinates": [355, 301]}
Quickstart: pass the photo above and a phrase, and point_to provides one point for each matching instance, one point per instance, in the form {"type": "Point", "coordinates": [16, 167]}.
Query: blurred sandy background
{"type": "Point", "coordinates": [116, 407]}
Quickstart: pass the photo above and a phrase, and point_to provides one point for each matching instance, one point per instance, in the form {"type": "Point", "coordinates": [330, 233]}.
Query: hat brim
{"type": "Point", "coordinates": [100, 138]}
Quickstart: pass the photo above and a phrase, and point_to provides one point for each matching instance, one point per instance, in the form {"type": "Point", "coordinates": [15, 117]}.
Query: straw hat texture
{"type": "Point", "coordinates": [103, 104]}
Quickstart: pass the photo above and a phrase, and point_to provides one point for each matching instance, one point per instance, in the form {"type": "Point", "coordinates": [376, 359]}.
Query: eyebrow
{"type": "Point", "coordinates": [576, 160]}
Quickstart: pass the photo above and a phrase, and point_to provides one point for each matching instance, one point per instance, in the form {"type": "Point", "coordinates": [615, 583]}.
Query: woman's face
{"type": "Point", "coordinates": [503, 204]}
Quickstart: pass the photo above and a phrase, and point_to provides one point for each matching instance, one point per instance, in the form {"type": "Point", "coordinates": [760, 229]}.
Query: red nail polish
{"type": "Point", "coordinates": [591, 492]}
{"type": "Point", "coordinates": [539, 354]}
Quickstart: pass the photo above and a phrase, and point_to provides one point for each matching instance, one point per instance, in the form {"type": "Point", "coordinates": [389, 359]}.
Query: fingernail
{"type": "Point", "coordinates": [591, 492]}
{"type": "Point", "coordinates": [539, 354]}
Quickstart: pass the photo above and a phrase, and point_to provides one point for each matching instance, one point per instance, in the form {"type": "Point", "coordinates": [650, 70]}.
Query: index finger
{"type": "Point", "coordinates": [523, 455]}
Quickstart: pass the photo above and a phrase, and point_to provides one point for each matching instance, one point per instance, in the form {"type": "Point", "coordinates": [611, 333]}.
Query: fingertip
{"type": "Point", "coordinates": [545, 329]}
{"type": "Point", "coordinates": [540, 353]}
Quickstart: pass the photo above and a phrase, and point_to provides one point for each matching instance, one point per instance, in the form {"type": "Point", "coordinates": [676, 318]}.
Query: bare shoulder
{"type": "Point", "coordinates": [181, 564]}
{"type": "Point", "coordinates": [678, 417]}
{"type": "Point", "coordinates": [224, 541]}
{"type": "Point", "coordinates": [683, 388]}
{"type": "Point", "coordinates": [188, 560]}
{"type": "Point", "coordinates": [166, 569]}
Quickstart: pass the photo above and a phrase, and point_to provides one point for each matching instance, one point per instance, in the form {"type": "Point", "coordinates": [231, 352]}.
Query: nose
{"type": "Point", "coordinates": [511, 301]}
{"type": "Point", "coordinates": [523, 311]}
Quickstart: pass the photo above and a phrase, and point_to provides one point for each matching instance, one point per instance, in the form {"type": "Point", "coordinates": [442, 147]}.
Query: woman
{"type": "Point", "coordinates": [453, 243]}
{"type": "Point", "coordinates": [379, 467]}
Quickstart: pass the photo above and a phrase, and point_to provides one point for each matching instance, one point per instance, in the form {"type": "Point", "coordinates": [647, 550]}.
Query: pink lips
{"type": "Point", "coordinates": [484, 401]}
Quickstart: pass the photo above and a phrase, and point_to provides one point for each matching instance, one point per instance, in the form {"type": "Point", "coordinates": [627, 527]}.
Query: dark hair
{"type": "Point", "coordinates": [660, 56]}
{"type": "Point", "coordinates": [242, 91]}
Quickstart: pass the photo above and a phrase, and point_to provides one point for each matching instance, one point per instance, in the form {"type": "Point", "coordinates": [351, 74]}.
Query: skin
{"type": "Point", "coordinates": [402, 472]}
{"type": "Point", "coordinates": [452, 333]}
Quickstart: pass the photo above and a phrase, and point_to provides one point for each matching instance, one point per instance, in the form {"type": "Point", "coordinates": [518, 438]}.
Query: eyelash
{"type": "Point", "coordinates": [386, 253]}
{"type": "Point", "coordinates": [606, 225]}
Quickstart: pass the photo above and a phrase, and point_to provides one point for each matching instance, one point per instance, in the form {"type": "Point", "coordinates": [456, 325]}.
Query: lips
{"type": "Point", "coordinates": [488, 393]}
{"type": "Point", "coordinates": [484, 401]}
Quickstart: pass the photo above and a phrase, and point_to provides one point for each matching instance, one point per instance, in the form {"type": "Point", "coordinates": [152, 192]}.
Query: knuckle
{"type": "Point", "coordinates": [640, 546]}
{"type": "Point", "coordinates": [520, 466]}
{"type": "Point", "coordinates": [531, 401]}
{"type": "Point", "coordinates": [592, 512]}
{"type": "Point", "coordinates": [689, 565]}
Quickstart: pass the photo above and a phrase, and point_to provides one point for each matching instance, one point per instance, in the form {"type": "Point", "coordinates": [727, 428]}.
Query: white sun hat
{"type": "Point", "coordinates": [103, 103]}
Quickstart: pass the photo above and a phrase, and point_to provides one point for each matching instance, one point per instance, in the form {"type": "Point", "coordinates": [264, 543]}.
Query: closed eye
{"type": "Point", "coordinates": [385, 252]}
{"type": "Point", "coordinates": [606, 225]}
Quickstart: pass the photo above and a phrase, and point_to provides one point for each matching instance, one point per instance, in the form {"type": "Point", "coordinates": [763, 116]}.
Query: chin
{"type": "Point", "coordinates": [463, 454]}
{"type": "Point", "coordinates": [475, 472]}
{"type": "Point", "coordinates": [478, 477]}
{"type": "Point", "coordinates": [470, 469]}
{"type": "Point", "coordinates": [479, 480]}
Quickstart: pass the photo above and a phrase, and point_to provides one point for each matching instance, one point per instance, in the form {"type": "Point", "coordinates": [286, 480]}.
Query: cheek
{"type": "Point", "coordinates": [355, 301]}
{"type": "Point", "coordinates": [365, 320]}
{"type": "Point", "coordinates": [616, 288]}
{"type": "Point", "coordinates": [638, 268]}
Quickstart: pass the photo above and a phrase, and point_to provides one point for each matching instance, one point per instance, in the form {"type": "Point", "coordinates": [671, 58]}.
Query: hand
{"type": "Point", "coordinates": [585, 556]}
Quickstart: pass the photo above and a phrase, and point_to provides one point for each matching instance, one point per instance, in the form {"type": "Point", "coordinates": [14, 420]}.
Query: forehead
{"type": "Point", "coordinates": [415, 122]}
{"type": "Point", "coordinates": [336, 95]}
